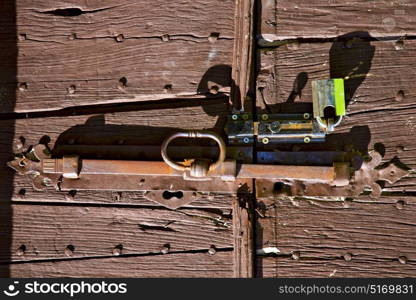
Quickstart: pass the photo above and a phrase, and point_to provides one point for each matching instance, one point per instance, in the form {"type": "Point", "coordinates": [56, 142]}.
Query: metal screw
{"type": "Point", "coordinates": [246, 140]}
{"type": "Point", "coordinates": [306, 116]}
{"type": "Point", "coordinates": [265, 140]}
{"type": "Point", "coordinates": [275, 126]}
{"type": "Point", "coordinates": [264, 117]}
{"type": "Point", "coordinates": [306, 139]}
{"type": "Point", "coordinates": [234, 117]}
{"type": "Point", "coordinates": [296, 255]}
{"type": "Point", "coordinates": [347, 256]}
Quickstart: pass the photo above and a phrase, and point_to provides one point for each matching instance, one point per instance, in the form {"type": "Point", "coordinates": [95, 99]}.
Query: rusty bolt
{"type": "Point", "coordinates": [212, 250]}
{"type": "Point", "coordinates": [165, 249]}
{"type": "Point", "coordinates": [347, 256]}
{"type": "Point", "coordinates": [296, 255]}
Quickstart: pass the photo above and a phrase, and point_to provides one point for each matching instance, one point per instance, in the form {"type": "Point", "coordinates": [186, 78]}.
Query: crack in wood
{"type": "Point", "coordinates": [74, 11]}
{"type": "Point", "coordinates": [120, 256]}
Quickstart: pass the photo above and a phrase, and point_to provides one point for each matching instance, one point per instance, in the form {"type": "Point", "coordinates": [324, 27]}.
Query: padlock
{"type": "Point", "coordinates": [328, 93]}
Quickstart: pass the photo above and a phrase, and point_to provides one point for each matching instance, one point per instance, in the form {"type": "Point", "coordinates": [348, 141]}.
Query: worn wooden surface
{"type": "Point", "coordinates": [362, 42]}
{"type": "Point", "coordinates": [157, 266]}
{"type": "Point", "coordinates": [80, 231]}
{"type": "Point", "coordinates": [135, 52]}
{"type": "Point", "coordinates": [47, 224]}
{"type": "Point", "coordinates": [177, 64]}
{"type": "Point", "coordinates": [379, 92]}
{"type": "Point", "coordinates": [289, 19]}
{"type": "Point", "coordinates": [338, 237]}
{"type": "Point", "coordinates": [74, 56]}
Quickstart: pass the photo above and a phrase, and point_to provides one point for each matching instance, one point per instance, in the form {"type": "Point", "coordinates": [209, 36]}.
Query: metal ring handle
{"type": "Point", "coordinates": [193, 134]}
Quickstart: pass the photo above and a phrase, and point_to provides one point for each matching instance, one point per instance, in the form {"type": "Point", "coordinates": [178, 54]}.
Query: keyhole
{"type": "Point", "coordinates": [169, 195]}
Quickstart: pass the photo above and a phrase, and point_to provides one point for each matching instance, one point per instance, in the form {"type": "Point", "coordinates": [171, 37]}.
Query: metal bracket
{"type": "Point", "coordinates": [273, 128]}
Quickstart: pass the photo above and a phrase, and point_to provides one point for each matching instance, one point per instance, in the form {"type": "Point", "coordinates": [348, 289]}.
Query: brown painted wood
{"type": "Point", "coordinates": [76, 231]}
{"type": "Point", "coordinates": [243, 237]}
{"type": "Point", "coordinates": [380, 93]}
{"type": "Point", "coordinates": [336, 267]}
{"type": "Point", "coordinates": [243, 60]}
{"type": "Point", "coordinates": [169, 265]}
{"type": "Point", "coordinates": [340, 238]}
{"type": "Point", "coordinates": [46, 20]}
{"type": "Point", "coordinates": [289, 19]}
{"type": "Point", "coordinates": [118, 53]}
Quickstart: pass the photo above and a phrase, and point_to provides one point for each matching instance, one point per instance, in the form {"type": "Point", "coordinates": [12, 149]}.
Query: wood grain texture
{"type": "Point", "coordinates": [160, 266]}
{"type": "Point", "coordinates": [65, 74]}
{"type": "Point", "coordinates": [77, 53]}
{"type": "Point", "coordinates": [380, 93]}
{"type": "Point", "coordinates": [286, 19]}
{"type": "Point", "coordinates": [338, 267]}
{"type": "Point", "coordinates": [133, 19]}
{"type": "Point", "coordinates": [243, 237]}
{"type": "Point", "coordinates": [341, 238]}
{"type": "Point", "coordinates": [58, 232]}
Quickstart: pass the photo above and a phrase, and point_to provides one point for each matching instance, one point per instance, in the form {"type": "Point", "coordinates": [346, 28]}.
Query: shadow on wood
{"type": "Point", "coordinates": [8, 57]}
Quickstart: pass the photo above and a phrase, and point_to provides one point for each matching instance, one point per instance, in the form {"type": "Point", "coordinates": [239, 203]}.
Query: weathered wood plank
{"type": "Point", "coordinates": [170, 265]}
{"type": "Point", "coordinates": [336, 267]}
{"type": "Point", "coordinates": [50, 20]}
{"type": "Point", "coordinates": [326, 19]}
{"type": "Point", "coordinates": [54, 76]}
{"type": "Point", "coordinates": [77, 53]}
{"type": "Point", "coordinates": [57, 232]}
{"type": "Point", "coordinates": [243, 225]}
{"type": "Point", "coordinates": [374, 71]}
{"type": "Point", "coordinates": [379, 88]}
{"type": "Point", "coordinates": [133, 128]}
{"type": "Point", "coordinates": [318, 237]}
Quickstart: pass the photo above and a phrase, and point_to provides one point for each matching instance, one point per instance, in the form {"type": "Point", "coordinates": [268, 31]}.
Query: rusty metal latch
{"type": "Point", "coordinates": [174, 183]}
{"type": "Point", "coordinates": [328, 111]}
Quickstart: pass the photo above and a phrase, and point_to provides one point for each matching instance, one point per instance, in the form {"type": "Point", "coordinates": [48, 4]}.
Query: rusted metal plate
{"type": "Point", "coordinates": [171, 192]}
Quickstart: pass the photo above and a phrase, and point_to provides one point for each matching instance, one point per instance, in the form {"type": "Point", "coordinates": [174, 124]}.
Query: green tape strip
{"type": "Point", "coordinates": [339, 97]}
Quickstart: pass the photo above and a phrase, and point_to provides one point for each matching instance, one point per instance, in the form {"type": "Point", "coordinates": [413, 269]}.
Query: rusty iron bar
{"type": "Point", "coordinates": [244, 171]}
